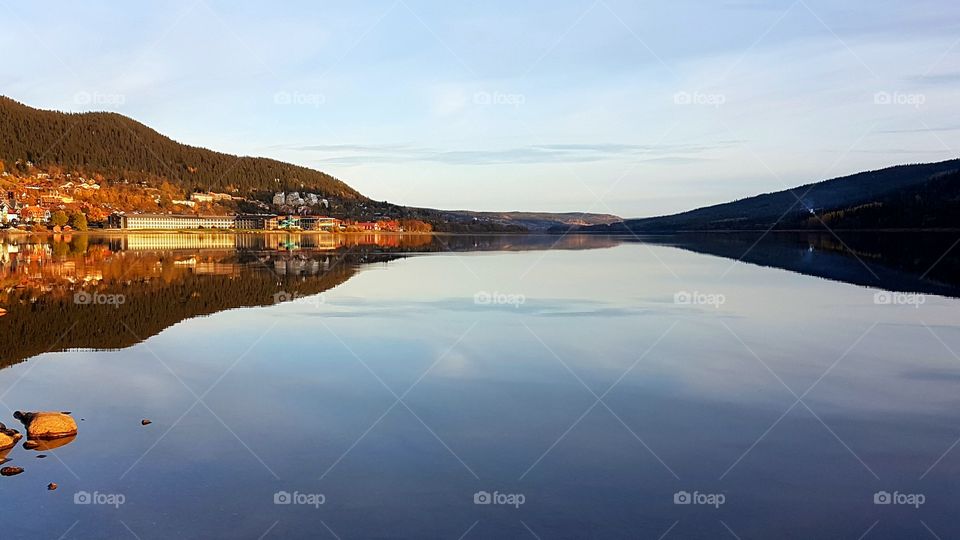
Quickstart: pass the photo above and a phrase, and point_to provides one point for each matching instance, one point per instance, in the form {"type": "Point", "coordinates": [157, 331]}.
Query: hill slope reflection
{"type": "Point", "coordinates": [110, 292]}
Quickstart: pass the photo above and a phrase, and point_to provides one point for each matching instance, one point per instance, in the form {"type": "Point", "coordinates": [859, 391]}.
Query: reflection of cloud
{"type": "Point", "coordinates": [935, 375]}
{"type": "Point", "coordinates": [357, 308]}
{"type": "Point", "coordinates": [355, 154]}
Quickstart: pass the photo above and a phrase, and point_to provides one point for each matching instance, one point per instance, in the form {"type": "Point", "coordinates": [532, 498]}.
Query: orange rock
{"type": "Point", "coordinates": [8, 437]}
{"type": "Point", "coordinates": [47, 425]}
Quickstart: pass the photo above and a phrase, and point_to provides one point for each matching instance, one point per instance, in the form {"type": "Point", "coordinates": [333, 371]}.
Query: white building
{"type": "Point", "coordinates": [176, 221]}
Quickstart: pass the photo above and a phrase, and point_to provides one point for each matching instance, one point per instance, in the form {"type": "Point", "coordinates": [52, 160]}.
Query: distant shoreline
{"type": "Point", "coordinates": [14, 232]}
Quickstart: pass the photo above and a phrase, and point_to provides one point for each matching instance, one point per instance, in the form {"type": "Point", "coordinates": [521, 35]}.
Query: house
{"type": "Point", "coordinates": [54, 198]}
{"type": "Point", "coordinates": [210, 197]}
{"type": "Point", "coordinates": [8, 213]}
{"type": "Point", "coordinates": [388, 225]}
{"type": "Point", "coordinates": [34, 214]}
{"type": "Point", "coordinates": [319, 223]}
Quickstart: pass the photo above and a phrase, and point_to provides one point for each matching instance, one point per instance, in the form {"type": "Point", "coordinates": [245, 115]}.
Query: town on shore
{"type": "Point", "coordinates": [54, 201]}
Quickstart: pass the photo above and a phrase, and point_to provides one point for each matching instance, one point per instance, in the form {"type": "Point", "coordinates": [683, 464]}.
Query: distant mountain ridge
{"type": "Point", "coordinates": [904, 196]}
{"type": "Point", "coordinates": [532, 221]}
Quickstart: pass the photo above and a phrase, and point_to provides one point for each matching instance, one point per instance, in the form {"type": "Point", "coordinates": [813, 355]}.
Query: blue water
{"type": "Point", "coordinates": [583, 390]}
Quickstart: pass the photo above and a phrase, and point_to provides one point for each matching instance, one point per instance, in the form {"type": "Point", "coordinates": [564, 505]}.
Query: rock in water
{"type": "Point", "coordinates": [8, 437]}
{"type": "Point", "coordinates": [145, 422]}
{"type": "Point", "coordinates": [11, 471]}
{"type": "Point", "coordinates": [47, 425]}
{"type": "Point", "coordinates": [52, 486]}
{"type": "Point", "coordinates": [30, 445]}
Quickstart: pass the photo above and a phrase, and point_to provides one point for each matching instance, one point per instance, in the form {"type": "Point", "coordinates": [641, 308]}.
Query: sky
{"type": "Point", "coordinates": [630, 107]}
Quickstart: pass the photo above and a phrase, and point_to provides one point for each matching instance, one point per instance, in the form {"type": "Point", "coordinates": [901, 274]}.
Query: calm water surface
{"type": "Point", "coordinates": [587, 388]}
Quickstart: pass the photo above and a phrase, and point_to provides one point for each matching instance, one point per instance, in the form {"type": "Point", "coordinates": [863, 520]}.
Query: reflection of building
{"type": "Point", "coordinates": [176, 221]}
{"type": "Point", "coordinates": [179, 241]}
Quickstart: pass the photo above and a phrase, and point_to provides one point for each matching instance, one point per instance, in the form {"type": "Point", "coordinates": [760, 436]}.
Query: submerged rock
{"type": "Point", "coordinates": [10, 471]}
{"type": "Point", "coordinates": [145, 422]}
{"type": "Point", "coordinates": [52, 486]}
{"type": "Point", "coordinates": [8, 437]}
{"type": "Point", "coordinates": [51, 444]}
{"type": "Point", "coordinates": [30, 445]}
{"type": "Point", "coordinates": [47, 425]}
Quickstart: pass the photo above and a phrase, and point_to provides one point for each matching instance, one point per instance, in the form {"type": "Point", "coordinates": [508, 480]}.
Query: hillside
{"type": "Point", "coordinates": [114, 145]}
{"type": "Point", "coordinates": [530, 221]}
{"type": "Point", "coordinates": [904, 196]}
{"type": "Point", "coordinates": [137, 169]}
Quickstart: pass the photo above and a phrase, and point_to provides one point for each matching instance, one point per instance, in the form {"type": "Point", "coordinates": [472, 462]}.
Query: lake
{"type": "Point", "coordinates": [379, 386]}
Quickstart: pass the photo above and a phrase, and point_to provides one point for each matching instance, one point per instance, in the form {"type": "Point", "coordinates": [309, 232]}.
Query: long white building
{"type": "Point", "coordinates": [176, 221]}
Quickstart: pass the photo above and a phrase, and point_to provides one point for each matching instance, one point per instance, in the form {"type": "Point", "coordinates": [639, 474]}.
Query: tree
{"type": "Point", "coordinates": [59, 218]}
{"type": "Point", "coordinates": [78, 221]}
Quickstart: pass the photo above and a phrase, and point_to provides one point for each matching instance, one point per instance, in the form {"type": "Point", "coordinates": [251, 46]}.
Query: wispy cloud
{"type": "Point", "coordinates": [356, 154]}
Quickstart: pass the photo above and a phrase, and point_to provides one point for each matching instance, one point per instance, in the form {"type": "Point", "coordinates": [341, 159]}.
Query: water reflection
{"type": "Point", "coordinates": [302, 397]}
{"type": "Point", "coordinates": [70, 290]}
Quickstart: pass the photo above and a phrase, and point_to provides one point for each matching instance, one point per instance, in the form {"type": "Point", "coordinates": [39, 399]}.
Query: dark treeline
{"type": "Point", "coordinates": [933, 205]}
{"type": "Point", "coordinates": [123, 149]}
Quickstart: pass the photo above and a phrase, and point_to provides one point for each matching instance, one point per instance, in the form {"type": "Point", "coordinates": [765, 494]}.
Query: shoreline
{"type": "Point", "coordinates": [125, 232]}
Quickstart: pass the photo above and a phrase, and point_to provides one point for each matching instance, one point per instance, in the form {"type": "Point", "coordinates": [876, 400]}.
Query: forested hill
{"type": "Point", "coordinates": [905, 196]}
{"type": "Point", "coordinates": [119, 147]}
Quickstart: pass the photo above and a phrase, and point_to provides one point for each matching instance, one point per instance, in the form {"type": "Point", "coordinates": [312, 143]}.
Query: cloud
{"type": "Point", "coordinates": [938, 79]}
{"type": "Point", "coordinates": [357, 154]}
{"type": "Point", "coordinates": [923, 129]}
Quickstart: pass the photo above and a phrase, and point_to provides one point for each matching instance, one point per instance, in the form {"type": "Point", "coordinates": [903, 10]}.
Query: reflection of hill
{"type": "Point", "coordinates": [157, 291]}
{"type": "Point", "coordinates": [55, 322]}
{"type": "Point", "coordinates": [907, 262]}
{"type": "Point", "coordinates": [165, 278]}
